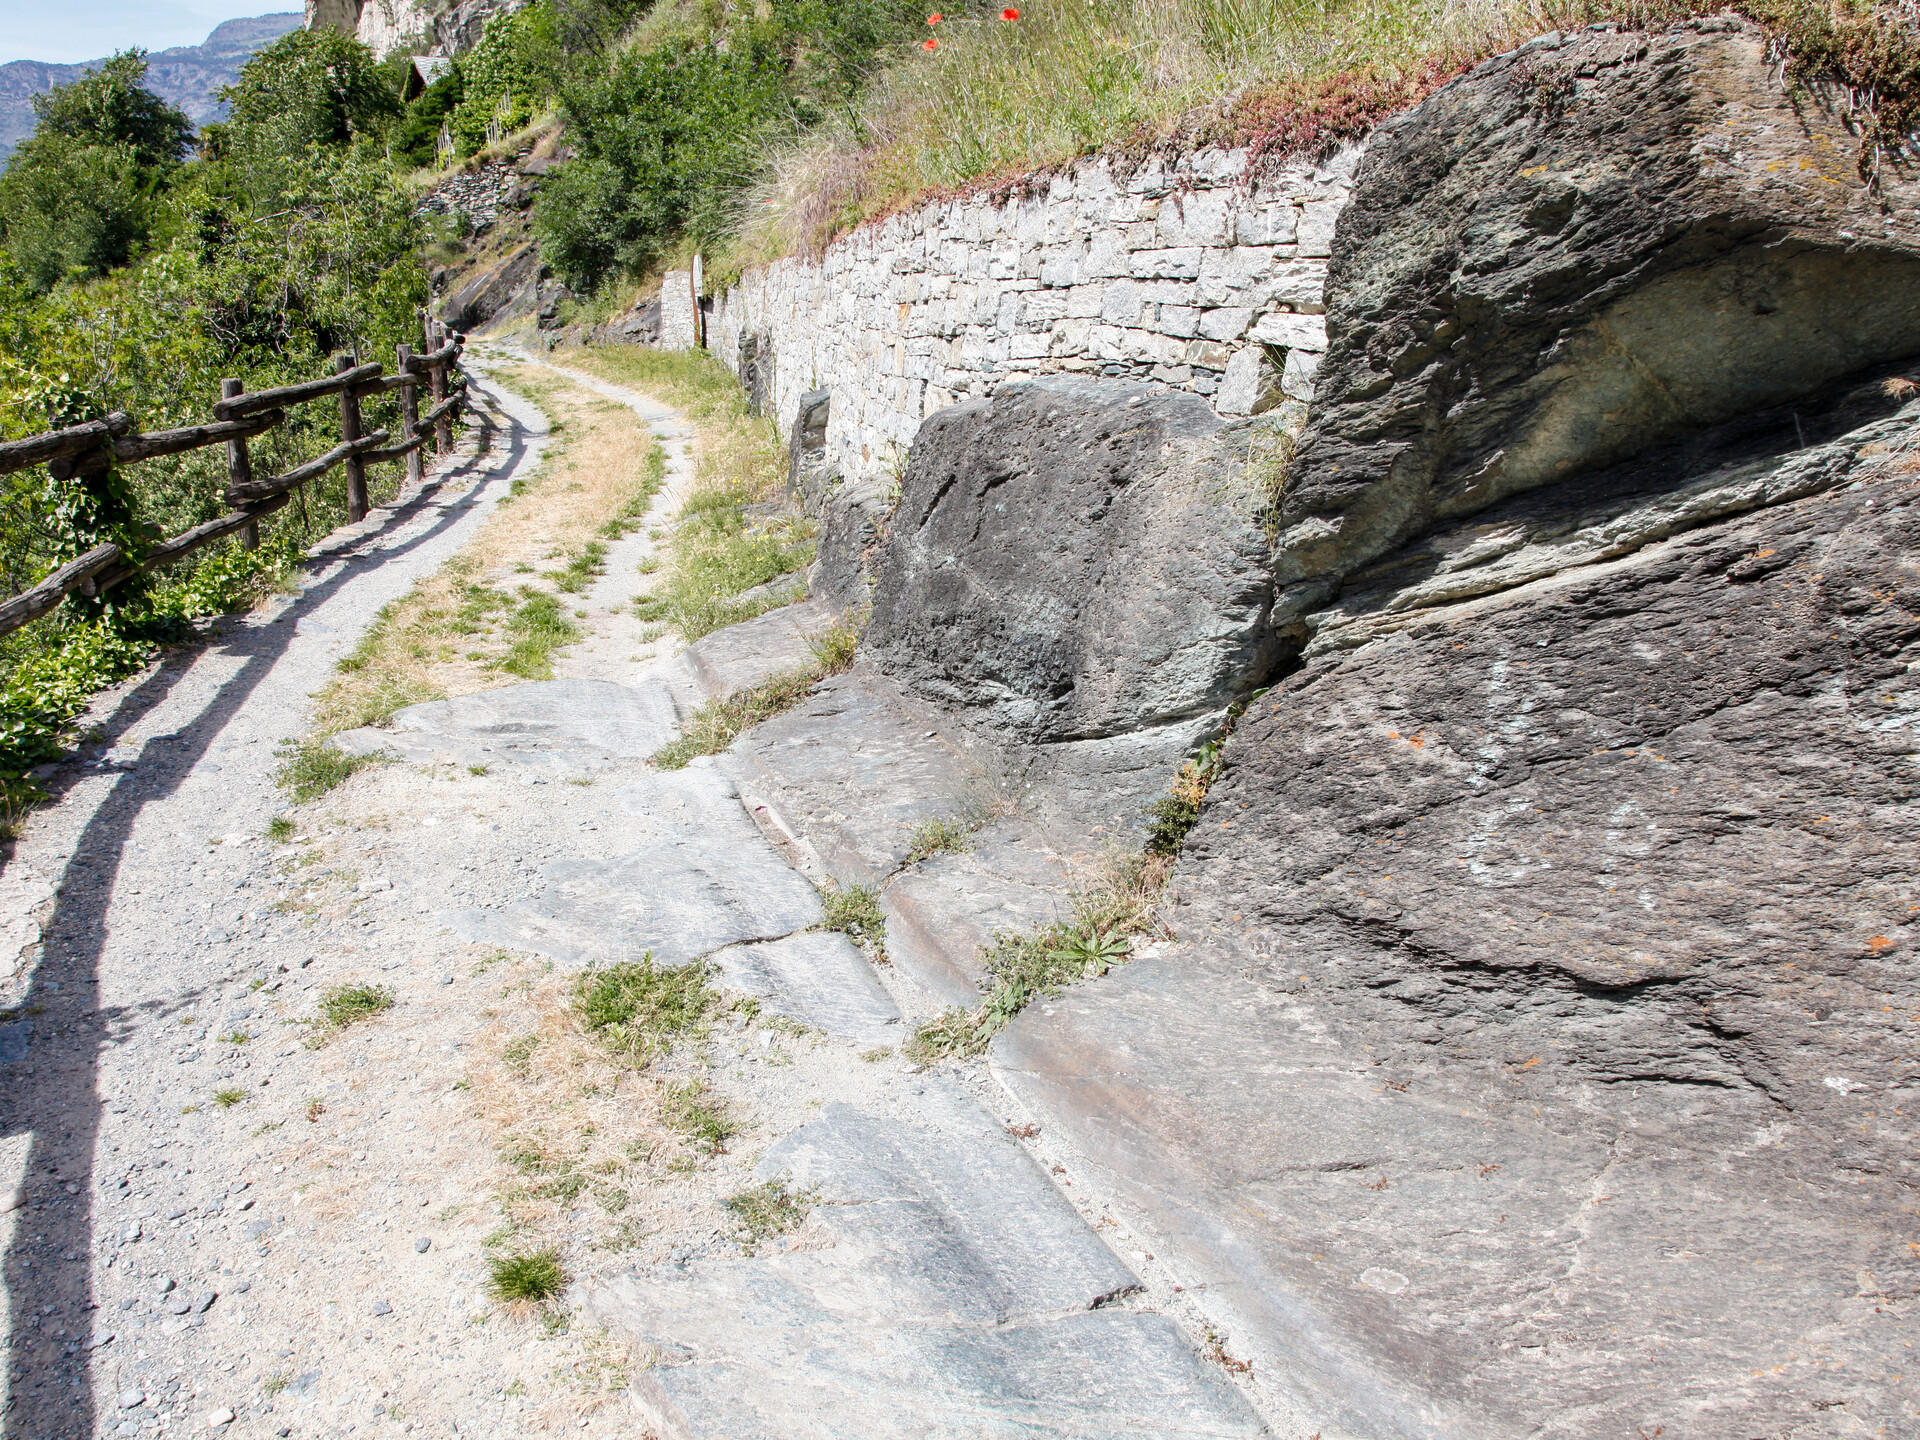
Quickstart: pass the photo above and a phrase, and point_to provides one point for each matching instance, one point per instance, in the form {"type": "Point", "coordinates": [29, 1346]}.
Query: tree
{"type": "Point", "coordinates": [112, 106]}
{"type": "Point", "coordinates": [76, 198]}
{"type": "Point", "coordinates": [309, 87]}
{"type": "Point", "coordinates": [70, 210]}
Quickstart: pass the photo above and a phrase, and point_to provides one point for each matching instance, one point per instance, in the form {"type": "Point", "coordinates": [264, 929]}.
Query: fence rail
{"type": "Point", "coordinates": [240, 415]}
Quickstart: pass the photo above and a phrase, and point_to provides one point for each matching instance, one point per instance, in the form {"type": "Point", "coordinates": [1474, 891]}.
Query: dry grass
{"type": "Point", "coordinates": [476, 622]}
{"type": "Point", "coordinates": [577, 1127]}
{"type": "Point", "coordinates": [997, 102]}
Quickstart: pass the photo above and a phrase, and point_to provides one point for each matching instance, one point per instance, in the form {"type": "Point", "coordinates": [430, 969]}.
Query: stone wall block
{"type": "Point", "coordinates": [1296, 379]}
{"type": "Point", "coordinates": [1268, 224]}
{"type": "Point", "coordinates": [1197, 218]}
{"type": "Point", "coordinates": [1121, 304]}
{"type": "Point", "coordinates": [1175, 264]}
{"type": "Point", "coordinates": [1069, 337]}
{"type": "Point", "coordinates": [1292, 332]}
{"type": "Point", "coordinates": [1039, 309]}
{"type": "Point", "coordinates": [1182, 321]}
{"type": "Point", "coordinates": [1107, 256]}
{"type": "Point", "coordinates": [1086, 301]}
{"type": "Point", "coordinates": [1316, 227]}
{"type": "Point", "coordinates": [1226, 324]}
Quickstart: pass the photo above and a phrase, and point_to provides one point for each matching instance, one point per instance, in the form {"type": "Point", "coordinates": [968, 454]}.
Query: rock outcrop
{"type": "Point", "coordinates": [1076, 559]}
{"type": "Point", "coordinates": [1586, 247]}
{"type": "Point", "coordinates": [1538, 1058]}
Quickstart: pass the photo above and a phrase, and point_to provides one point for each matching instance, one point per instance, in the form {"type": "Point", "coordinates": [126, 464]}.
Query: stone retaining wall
{"type": "Point", "coordinates": [1194, 275]}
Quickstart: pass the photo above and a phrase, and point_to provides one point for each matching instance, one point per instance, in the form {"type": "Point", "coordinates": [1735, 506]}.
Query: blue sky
{"type": "Point", "coordinates": [70, 30]}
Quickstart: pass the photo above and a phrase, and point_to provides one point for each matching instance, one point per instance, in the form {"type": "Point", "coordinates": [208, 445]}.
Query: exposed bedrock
{"type": "Point", "coordinates": [1539, 1057]}
{"type": "Point", "coordinates": [1076, 559]}
{"type": "Point", "coordinates": [1584, 248]}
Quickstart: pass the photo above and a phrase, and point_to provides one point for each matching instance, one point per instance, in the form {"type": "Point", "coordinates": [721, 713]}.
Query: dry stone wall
{"type": "Point", "coordinates": [1200, 275]}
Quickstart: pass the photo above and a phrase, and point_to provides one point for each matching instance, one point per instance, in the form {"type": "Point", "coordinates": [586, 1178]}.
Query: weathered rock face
{"type": "Point", "coordinates": [1586, 247]}
{"type": "Point", "coordinates": [489, 294]}
{"type": "Point", "coordinates": [1075, 559]}
{"type": "Point", "coordinates": [1537, 1060]}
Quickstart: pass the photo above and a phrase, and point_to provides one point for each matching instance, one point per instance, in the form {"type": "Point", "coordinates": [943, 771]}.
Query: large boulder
{"type": "Point", "coordinates": [1538, 1057]}
{"type": "Point", "coordinates": [1075, 559]}
{"type": "Point", "coordinates": [1591, 245]}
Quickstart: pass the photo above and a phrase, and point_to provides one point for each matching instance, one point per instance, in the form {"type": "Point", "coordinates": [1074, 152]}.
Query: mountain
{"type": "Point", "coordinates": [187, 75]}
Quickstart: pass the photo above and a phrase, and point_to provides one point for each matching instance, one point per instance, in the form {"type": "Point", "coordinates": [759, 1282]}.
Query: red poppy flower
{"type": "Point", "coordinates": [1009, 14]}
{"type": "Point", "coordinates": [935, 18]}
{"type": "Point", "coordinates": [929, 44]}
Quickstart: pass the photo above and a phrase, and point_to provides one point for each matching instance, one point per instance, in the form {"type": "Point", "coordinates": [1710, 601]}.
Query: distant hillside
{"type": "Point", "coordinates": [187, 75]}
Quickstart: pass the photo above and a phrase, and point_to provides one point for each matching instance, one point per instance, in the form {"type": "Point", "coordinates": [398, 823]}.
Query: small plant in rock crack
{"type": "Point", "coordinates": [939, 835]}
{"type": "Point", "coordinates": [1107, 917]}
{"type": "Point", "coordinates": [769, 1209]}
{"type": "Point", "coordinates": [530, 1278]}
{"type": "Point", "coordinates": [344, 1005]}
{"type": "Point", "coordinates": [854, 910]}
{"type": "Point", "coordinates": [641, 1009]}
{"type": "Point", "coordinates": [696, 1112]}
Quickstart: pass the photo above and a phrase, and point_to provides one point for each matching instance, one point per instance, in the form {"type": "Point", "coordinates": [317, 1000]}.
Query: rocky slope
{"type": "Point", "coordinates": [1539, 1056]}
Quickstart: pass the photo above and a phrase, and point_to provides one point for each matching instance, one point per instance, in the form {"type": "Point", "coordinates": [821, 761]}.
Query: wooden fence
{"type": "Point", "coordinates": [238, 416]}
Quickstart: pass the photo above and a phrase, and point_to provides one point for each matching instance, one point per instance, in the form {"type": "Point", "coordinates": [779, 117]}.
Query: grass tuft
{"type": "Point", "coordinates": [769, 1209]}
{"type": "Point", "coordinates": [640, 1009]}
{"type": "Point", "coordinates": [1107, 918]}
{"type": "Point", "coordinates": [938, 835]}
{"type": "Point", "coordinates": [692, 1110]}
{"type": "Point", "coordinates": [228, 1097]}
{"type": "Point", "coordinates": [344, 1005]}
{"type": "Point", "coordinates": [532, 1278]}
{"type": "Point", "coordinates": [310, 768]}
{"type": "Point", "coordinates": [280, 829]}
{"type": "Point", "coordinates": [540, 627]}
{"type": "Point", "coordinates": [854, 910]}
{"type": "Point", "coordinates": [718, 723]}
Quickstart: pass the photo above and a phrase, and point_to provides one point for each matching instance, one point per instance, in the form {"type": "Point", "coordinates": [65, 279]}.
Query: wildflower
{"type": "Point", "coordinates": [1009, 14]}
{"type": "Point", "coordinates": [935, 18]}
{"type": "Point", "coordinates": [929, 44]}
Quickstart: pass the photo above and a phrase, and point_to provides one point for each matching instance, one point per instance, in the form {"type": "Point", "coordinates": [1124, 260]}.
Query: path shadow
{"type": "Point", "coordinates": [52, 1090]}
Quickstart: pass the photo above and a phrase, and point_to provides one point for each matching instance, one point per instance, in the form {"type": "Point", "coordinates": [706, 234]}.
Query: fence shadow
{"type": "Point", "coordinates": [53, 1091]}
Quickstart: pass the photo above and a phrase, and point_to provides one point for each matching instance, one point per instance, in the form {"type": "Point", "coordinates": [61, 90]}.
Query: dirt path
{"type": "Point", "coordinates": [235, 1221]}
{"type": "Point", "coordinates": [134, 1197]}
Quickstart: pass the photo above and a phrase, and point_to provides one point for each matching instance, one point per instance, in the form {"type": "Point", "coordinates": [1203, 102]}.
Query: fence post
{"type": "Point", "coordinates": [409, 413]}
{"type": "Point", "coordinates": [350, 430]}
{"type": "Point", "coordinates": [240, 466]}
{"type": "Point", "coordinates": [437, 375]}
